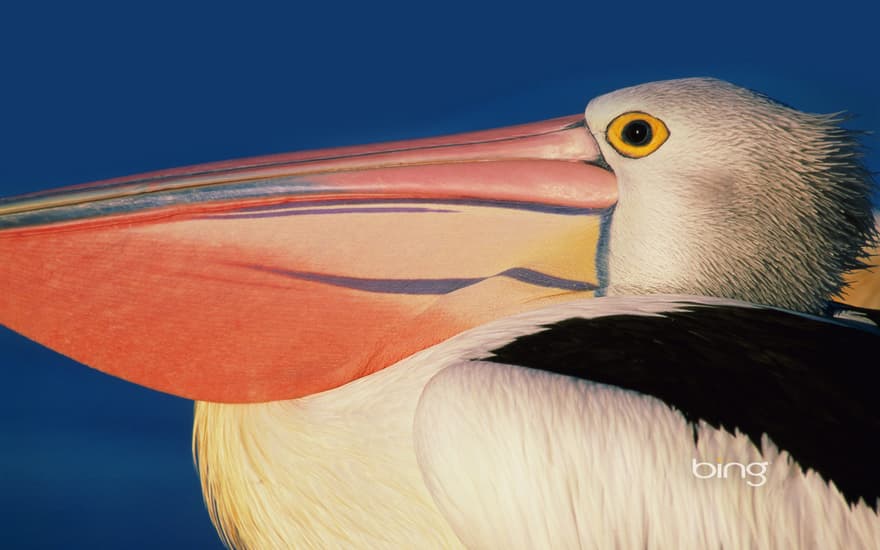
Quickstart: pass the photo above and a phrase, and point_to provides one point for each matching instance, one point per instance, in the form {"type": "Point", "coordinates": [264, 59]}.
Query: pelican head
{"type": "Point", "coordinates": [725, 192]}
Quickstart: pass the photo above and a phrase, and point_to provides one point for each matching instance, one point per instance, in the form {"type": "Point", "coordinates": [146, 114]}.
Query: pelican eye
{"type": "Point", "coordinates": [636, 134]}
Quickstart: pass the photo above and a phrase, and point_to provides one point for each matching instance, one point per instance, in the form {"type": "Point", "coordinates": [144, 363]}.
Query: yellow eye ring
{"type": "Point", "coordinates": [636, 134]}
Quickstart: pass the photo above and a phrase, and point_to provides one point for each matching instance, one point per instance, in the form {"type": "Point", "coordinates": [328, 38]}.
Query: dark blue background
{"type": "Point", "coordinates": [91, 91]}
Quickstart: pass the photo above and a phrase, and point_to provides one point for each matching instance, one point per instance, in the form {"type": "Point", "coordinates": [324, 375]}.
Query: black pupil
{"type": "Point", "coordinates": [637, 132]}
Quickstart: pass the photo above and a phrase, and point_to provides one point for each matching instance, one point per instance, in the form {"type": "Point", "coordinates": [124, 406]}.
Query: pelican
{"type": "Point", "coordinates": [608, 330]}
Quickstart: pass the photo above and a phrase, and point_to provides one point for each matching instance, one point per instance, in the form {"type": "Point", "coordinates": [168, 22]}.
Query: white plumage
{"type": "Point", "coordinates": [513, 458]}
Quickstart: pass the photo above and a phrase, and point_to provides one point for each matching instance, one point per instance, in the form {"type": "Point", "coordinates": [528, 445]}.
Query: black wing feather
{"type": "Point", "coordinates": [810, 384]}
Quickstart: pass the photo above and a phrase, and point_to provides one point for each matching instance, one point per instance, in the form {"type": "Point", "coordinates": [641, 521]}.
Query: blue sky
{"type": "Point", "coordinates": [95, 90]}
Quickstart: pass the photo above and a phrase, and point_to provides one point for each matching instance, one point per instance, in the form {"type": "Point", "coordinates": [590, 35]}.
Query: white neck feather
{"type": "Point", "coordinates": [332, 470]}
{"type": "Point", "coordinates": [648, 251]}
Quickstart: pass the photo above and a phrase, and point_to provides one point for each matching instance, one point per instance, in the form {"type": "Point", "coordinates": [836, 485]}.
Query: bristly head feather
{"type": "Point", "coordinates": [748, 198]}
